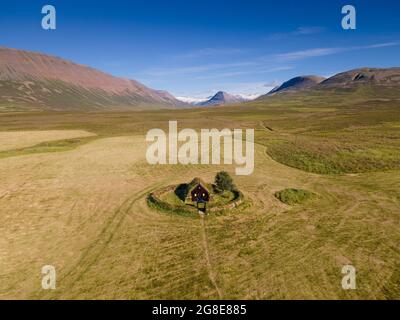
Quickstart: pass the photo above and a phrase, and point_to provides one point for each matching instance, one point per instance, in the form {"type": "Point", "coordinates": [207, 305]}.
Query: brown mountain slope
{"type": "Point", "coordinates": [363, 83]}
{"type": "Point", "coordinates": [297, 84]}
{"type": "Point", "coordinates": [30, 80]}
{"type": "Point", "coordinates": [375, 76]}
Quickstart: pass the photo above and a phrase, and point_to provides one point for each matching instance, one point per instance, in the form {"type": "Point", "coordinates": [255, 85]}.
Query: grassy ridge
{"type": "Point", "coordinates": [50, 146]}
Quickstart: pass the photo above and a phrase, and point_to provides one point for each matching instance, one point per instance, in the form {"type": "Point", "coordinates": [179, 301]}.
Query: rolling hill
{"type": "Point", "coordinates": [35, 81]}
{"type": "Point", "coordinates": [297, 84]}
{"type": "Point", "coordinates": [371, 83]}
{"type": "Point", "coordinates": [372, 76]}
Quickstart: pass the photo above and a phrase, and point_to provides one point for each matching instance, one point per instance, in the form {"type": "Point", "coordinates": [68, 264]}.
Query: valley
{"type": "Point", "coordinates": [173, 153]}
{"type": "Point", "coordinates": [83, 209]}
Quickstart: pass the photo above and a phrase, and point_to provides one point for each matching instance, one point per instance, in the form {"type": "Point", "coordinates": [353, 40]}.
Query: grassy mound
{"type": "Point", "coordinates": [166, 200]}
{"type": "Point", "coordinates": [294, 196]}
{"type": "Point", "coordinates": [217, 200]}
{"type": "Point", "coordinates": [170, 200]}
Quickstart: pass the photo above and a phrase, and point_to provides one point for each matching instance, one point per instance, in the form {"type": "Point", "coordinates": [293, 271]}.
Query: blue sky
{"type": "Point", "coordinates": [194, 48]}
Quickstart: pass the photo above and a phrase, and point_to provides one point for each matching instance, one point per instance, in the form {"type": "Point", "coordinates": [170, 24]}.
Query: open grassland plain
{"type": "Point", "coordinates": [82, 207]}
{"type": "Point", "coordinates": [18, 140]}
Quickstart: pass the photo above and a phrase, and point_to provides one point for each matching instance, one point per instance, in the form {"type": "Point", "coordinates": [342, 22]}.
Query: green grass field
{"type": "Point", "coordinates": [80, 205]}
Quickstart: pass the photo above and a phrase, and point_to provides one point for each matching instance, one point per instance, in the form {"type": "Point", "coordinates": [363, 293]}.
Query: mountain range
{"type": "Point", "coordinates": [297, 84]}
{"type": "Point", "coordinates": [218, 99]}
{"type": "Point", "coordinates": [30, 80]}
{"type": "Point", "coordinates": [222, 98]}
{"type": "Point", "coordinates": [36, 81]}
{"type": "Point", "coordinates": [371, 78]}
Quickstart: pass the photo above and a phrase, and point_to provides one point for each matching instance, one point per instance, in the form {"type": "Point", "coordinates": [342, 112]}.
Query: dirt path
{"type": "Point", "coordinates": [211, 271]}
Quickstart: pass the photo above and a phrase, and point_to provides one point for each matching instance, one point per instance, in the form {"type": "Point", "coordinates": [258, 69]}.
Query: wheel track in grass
{"type": "Point", "coordinates": [211, 272]}
{"type": "Point", "coordinates": [93, 252]}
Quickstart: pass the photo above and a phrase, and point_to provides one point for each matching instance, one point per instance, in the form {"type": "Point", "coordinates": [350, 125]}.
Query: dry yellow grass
{"type": "Point", "coordinates": [22, 139]}
{"type": "Point", "coordinates": [84, 211]}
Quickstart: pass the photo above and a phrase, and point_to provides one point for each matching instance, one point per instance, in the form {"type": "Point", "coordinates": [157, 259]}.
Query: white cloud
{"type": "Point", "coordinates": [300, 31]}
{"type": "Point", "coordinates": [308, 30]}
{"type": "Point", "coordinates": [380, 45]}
{"type": "Point", "coordinates": [242, 67]}
{"type": "Point", "coordinates": [160, 72]}
{"type": "Point", "coordinates": [310, 53]}
{"type": "Point", "coordinates": [319, 52]}
{"type": "Point", "coordinates": [211, 52]}
{"type": "Point", "coordinates": [240, 73]}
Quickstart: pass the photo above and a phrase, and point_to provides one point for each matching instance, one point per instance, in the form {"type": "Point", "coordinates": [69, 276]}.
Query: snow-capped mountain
{"type": "Point", "coordinates": [220, 98]}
